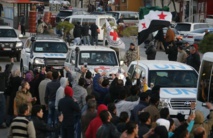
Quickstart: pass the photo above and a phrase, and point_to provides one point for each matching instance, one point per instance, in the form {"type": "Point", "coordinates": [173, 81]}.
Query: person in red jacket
{"type": "Point", "coordinates": [95, 123]}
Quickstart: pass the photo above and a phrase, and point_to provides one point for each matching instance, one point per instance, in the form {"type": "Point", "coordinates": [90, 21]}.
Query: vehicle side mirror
{"type": "Point", "coordinates": [27, 50]}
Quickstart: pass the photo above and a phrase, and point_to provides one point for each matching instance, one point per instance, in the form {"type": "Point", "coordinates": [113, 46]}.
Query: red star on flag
{"type": "Point", "coordinates": [114, 34]}
{"type": "Point", "coordinates": [162, 16]}
{"type": "Point", "coordinates": [144, 25]}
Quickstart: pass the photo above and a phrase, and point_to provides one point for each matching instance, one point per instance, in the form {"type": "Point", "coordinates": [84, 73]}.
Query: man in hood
{"type": "Point", "coordinates": [71, 111]}
{"type": "Point", "coordinates": [95, 123]}
{"type": "Point", "coordinates": [60, 92]}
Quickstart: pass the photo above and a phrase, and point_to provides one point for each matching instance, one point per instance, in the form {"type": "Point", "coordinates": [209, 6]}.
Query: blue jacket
{"type": "Point", "coordinates": [99, 90]}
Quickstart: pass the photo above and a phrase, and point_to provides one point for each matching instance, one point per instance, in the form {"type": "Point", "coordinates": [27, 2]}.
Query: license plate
{"type": "Point", "coordinates": [6, 49]}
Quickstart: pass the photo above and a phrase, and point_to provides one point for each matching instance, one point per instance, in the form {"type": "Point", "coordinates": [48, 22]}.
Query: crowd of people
{"type": "Point", "coordinates": [175, 49]}
{"type": "Point", "coordinates": [46, 104]}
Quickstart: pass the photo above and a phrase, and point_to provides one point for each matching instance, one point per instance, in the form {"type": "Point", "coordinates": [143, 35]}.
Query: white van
{"type": "Point", "coordinates": [103, 58]}
{"type": "Point", "coordinates": [178, 82]}
{"type": "Point", "coordinates": [99, 20]}
{"type": "Point", "coordinates": [129, 17]}
{"type": "Point", "coordinates": [185, 27]}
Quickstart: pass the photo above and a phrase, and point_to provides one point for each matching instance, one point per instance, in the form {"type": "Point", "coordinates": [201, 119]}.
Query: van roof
{"type": "Point", "coordinates": [163, 65]}
{"type": "Point", "coordinates": [208, 56]}
{"type": "Point", "coordinates": [90, 16]}
{"type": "Point", "coordinates": [92, 48]}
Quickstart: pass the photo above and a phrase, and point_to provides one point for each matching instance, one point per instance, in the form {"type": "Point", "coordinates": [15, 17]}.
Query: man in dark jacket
{"type": "Point", "coordinates": [151, 51]}
{"type": "Point", "coordinates": [41, 127]}
{"type": "Point", "coordinates": [107, 129]}
{"type": "Point", "coordinates": [145, 123]}
{"type": "Point", "coordinates": [85, 34]}
{"type": "Point", "coordinates": [194, 58]}
{"type": "Point", "coordinates": [94, 34]}
{"type": "Point", "coordinates": [172, 52]}
{"type": "Point", "coordinates": [77, 33]}
{"type": "Point", "coordinates": [71, 112]}
{"type": "Point", "coordinates": [22, 23]}
{"type": "Point", "coordinates": [50, 95]}
{"type": "Point", "coordinates": [144, 102]}
{"type": "Point", "coordinates": [3, 83]}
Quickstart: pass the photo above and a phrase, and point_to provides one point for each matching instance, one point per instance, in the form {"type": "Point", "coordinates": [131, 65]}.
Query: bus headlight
{"type": "Point", "coordinates": [39, 61]}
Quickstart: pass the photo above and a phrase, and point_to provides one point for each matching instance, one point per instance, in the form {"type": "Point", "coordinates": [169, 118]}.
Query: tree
{"type": "Point", "coordinates": [66, 27]}
{"type": "Point", "coordinates": [206, 44]}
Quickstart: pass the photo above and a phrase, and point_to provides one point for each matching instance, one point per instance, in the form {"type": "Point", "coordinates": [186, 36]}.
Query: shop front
{"type": "Point", "coordinates": [12, 10]}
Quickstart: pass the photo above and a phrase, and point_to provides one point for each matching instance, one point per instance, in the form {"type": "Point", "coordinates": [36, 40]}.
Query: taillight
{"type": "Point", "coordinates": [189, 36]}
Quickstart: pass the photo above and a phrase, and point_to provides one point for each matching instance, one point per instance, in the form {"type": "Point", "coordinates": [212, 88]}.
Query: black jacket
{"type": "Point", "coordinates": [107, 130]}
{"type": "Point", "coordinates": [42, 128]}
{"type": "Point", "coordinates": [151, 52]}
{"type": "Point", "coordinates": [93, 29]}
{"type": "Point", "coordinates": [85, 30]}
{"type": "Point", "coordinates": [143, 129]}
{"type": "Point", "coordinates": [194, 60]}
{"type": "Point", "coordinates": [51, 89]}
{"type": "Point", "coordinates": [160, 36]}
{"type": "Point", "coordinates": [4, 77]}
{"type": "Point", "coordinates": [172, 53]}
{"type": "Point", "coordinates": [70, 110]}
{"type": "Point", "coordinates": [77, 31]}
{"type": "Point", "coordinates": [14, 83]}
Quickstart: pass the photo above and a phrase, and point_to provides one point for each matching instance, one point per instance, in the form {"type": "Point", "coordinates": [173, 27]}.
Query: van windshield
{"type": "Point", "coordinates": [98, 58]}
{"type": "Point", "coordinates": [183, 27]}
{"type": "Point", "coordinates": [173, 78]}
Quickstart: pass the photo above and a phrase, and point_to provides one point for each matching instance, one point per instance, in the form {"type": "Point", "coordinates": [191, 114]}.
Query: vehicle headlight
{"type": "Point", "coordinates": [39, 61]}
{"type": "Point", "coordinates": [19, 44]}
{"type": "Point", "coordinates": [164, 103]}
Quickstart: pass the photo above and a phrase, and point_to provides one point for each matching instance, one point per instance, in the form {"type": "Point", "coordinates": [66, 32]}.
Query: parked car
{"type": "Point", "coordinates": [198, 39]}
{"type": "Point", "coordinates": [129, 17]}
{"type": "Point", "coordinates": [185, 27]}
{"type": "Point", "coordinates": [198, 33]}
{"type": "Point", "coordinates": [209, 19]}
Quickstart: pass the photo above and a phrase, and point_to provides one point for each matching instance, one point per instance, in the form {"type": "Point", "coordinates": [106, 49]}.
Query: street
{"type": "Point", "coordinates": [5, 60]}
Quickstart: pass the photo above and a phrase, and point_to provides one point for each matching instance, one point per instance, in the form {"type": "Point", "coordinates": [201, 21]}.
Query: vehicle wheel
{"type": "Point", "coordinates": [18, 57]}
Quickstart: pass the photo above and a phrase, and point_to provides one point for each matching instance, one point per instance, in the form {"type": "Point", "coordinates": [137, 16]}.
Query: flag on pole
{"type": "Point", "coordinates": [113, 38]}
{"type": "Point", "coordinates": [152, 19]}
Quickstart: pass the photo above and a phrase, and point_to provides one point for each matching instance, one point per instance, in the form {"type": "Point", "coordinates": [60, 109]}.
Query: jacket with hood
{"type": "Point", "coordinates": [95, 123]}
{"type": "Point", "coordinates": [60, 92]}
{"type": "Point", "coordinates": [200, 121]}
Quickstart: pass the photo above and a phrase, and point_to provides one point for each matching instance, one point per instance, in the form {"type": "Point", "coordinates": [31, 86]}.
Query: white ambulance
{"type": "Point", "coordinates": [177, 82]}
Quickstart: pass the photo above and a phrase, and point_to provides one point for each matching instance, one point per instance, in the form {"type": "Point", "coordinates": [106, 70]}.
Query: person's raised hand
{"type": "Point", "coordinates": [60, 118]}
{"type": "Point", "coordinates": [209, 105]}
